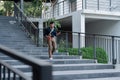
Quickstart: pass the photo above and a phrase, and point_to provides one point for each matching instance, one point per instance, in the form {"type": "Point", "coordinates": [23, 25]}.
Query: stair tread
{"type": "Point", "coordinates": [72, 59]}
{"type": "Point", "coordinates": [57, 60]}
{"type": "Point", "coordinates": [20, 66]}
{"type": "Point", "coordinates": [73, 72]}
{"type": "Point", "coordinates": [90, 64]}
{"type": "Point", "coordinates": [108, 78]}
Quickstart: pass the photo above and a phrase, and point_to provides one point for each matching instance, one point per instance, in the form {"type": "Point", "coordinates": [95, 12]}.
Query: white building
{"type": "Point", "coordinates": [89, 16]}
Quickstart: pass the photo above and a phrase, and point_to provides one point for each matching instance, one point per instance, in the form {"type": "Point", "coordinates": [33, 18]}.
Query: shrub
{"type": "Point", "coordinates": [1, 12]}
{"type": "Point", "coordinates": [100, 54]}
{"type": "Point", "coordinates": [88, 53]}
{"type": "Point", "coordinates": [71, 51]}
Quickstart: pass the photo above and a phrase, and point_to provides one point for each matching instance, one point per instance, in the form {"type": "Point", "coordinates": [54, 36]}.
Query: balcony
{"type": "Point", "coordinates": [64, 7]}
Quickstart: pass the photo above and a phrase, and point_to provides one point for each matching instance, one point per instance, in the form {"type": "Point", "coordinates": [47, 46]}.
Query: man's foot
{"type": "Point", "coordinates": [51, 58]}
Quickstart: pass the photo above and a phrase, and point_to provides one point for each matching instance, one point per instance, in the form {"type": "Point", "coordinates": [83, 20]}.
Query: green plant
{"type": "Point", "coordinates": [8, 7]}
{"type": "Point", "coordinates": [35, 8]}
{"type": "Point", "coordinates": [56, 22]}
{"type": "Point", "coordinates": [73, 51]}
{"type": "Point", "coordinates": [2, 12]}
{"type": "Point", "coordinates": [61, 43]}
{"type": "Point", "coordinates": [88, 53]}
{"type": "Point", "coordinates": [100, 54]}
{"type": "Point", "coordinates": [102, 57]}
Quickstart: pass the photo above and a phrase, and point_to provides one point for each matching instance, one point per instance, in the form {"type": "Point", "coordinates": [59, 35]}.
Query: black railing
{"type": "Point", "coordinates": [41, 70]}
{"type": "Point", "coordinates": [102, 5]}
{"type": "Point", "coordinates": [8, 73]}
{"type": "Point", "coordinates": [109, 43]}
{"type": "Point", "coordinates": [29, 27]}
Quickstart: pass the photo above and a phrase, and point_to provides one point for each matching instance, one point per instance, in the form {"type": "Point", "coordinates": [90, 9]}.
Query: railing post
{"type": "Point", "coordinates": [0, 72]}
{"type": "Point", "coordinates": [37, 37]}
{"type": "Point", "coordinates": [94, 48]}
{"type": "Point", "coordinates": [21, 18]}
{"type": "Point", "coordinates": [8, 74]}
{"type": "Point", "coordinates": [15, 10]}
{"type": "Point", "coordinates": [67, 42]}
{"type": "Point", "coordinates": [110, 5]}
{"type": "Point", "coordinates": [63, 7]}
{"type": "Point", "coordinates": [30, 29]}
{"type": "Point", "coordinates": [4, 73]}
{"type": "Point", "coordinates": [53, 15]}
{"type": "Point", "coordinates": [113, 51]}
{"type": "Point", "coordinates": [58, 10]}
{"type": "Point", "coordinates": [84, 4]}
{"type": "Point", "coordinates": [79, 51]}
{"type": "Point", "coordinates": [98, 4]}
{"type": "Point", "coordinates": [69, 7]}
{"type": "Point", "coordinates": [42, 73]}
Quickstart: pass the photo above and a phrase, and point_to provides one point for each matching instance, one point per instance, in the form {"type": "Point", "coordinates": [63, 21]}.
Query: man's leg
{"type": "Point", "coordinates": [54, 45]}
{"type": "Point", "coordinates": [50, 48]}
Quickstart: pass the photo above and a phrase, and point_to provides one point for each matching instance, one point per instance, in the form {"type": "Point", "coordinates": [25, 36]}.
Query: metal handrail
{"type": "Point", "coordinates": [109, 43]}
{"type": "Point", "coordinates": [90, 34]}
{"type": "Point", "coordinates": [31, 30]}
{"type": "Point", "coordinates": [41, 70]}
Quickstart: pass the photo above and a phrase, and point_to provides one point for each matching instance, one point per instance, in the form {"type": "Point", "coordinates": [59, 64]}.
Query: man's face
{"type": "Point", "coordinates": [52, 25]}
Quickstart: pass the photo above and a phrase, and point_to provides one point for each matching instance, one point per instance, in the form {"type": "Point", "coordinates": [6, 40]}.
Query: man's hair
{"type": "Point", "coordinates": [51, 22]}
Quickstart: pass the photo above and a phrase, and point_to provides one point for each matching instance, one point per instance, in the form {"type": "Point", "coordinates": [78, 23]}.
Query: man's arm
{"type": "Point", "coordinates": [58, 33]}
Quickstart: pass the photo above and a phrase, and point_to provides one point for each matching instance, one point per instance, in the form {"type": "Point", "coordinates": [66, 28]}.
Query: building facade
{"type": "Point", "coordinates": [89, 16]}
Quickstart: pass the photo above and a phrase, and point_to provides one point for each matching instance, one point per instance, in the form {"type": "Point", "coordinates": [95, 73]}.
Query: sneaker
{"type": "Point", "coordinates": [51, 58]}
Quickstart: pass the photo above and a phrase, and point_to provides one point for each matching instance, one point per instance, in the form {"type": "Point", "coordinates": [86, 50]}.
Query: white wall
{"type": "Point", "coordinates": [109, 27]}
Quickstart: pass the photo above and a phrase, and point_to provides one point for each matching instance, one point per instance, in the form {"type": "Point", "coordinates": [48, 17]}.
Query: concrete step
{"type": "Point", "coordinates": [108, 78]}
{"type": "Point", "coordinates": [23, 68]}
{"type": "Point", "coordinates": [70, 61]}
{"type": "Point", "coordinates": [17, 43]}
{"type": "Point", "coordinates": [46, 53]}
{"type": "Point", "coordinates": [57, 61]}
{"type": "Point", "coordinates": [57, 56]}
{"type": "Point", "coordinates": [85, 74]}
{"type": "Point", "coordinates": [6, 17]}
{"type": "Point", "coordinates": [14, 62]}
{"type": "Point", "coordinates": [39, 55]}
{"type": "Point", "coordinates": [6, 58]}
{"type": "Point", "coordinates": [67, 67]}
{"type": "Point", "coordinates": [22, 39]}
{"type": "Point", "coordinates": [90, 66]}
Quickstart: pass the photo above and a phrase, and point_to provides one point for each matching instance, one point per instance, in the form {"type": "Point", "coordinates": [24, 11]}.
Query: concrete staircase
{"type": "Point", "coordinates": [65, 67]}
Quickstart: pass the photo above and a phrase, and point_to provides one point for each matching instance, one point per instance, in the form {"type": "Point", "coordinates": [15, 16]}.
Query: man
{"type": "Point", "coordinates": [50, 34]}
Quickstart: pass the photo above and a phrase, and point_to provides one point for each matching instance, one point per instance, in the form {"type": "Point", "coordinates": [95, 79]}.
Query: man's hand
{"type": "Point", "coordinates": [58, 33]}
{"type": "Point", "coordinates": [48, 37]}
